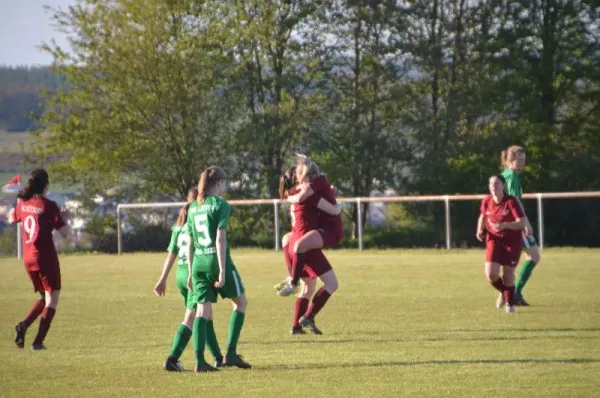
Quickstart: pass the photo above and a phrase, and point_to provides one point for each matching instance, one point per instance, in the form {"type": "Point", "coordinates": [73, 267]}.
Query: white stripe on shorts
{"type": "Point", "coordinates": [237, 283]}
{"type": "Point", "coordinates": [526, 244]}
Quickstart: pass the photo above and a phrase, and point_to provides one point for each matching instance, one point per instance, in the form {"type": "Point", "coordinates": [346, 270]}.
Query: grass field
{"type": "Point", "coordinates": [404, 323]}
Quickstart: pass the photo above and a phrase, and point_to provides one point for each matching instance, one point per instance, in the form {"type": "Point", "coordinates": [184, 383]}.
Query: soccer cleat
{"type": "Point", "coordinates": [282, 284]}
{"type": "Point", "coordinates": [287, 290]}
{"type": "Point", "coordinates": [204, 368]}
{"type": "Point", "coordinates": [510, 309]}
{"type": "Point", "coordinates": [219, 363]}
{"type": "Point", "coordinates": [297, 330]}
{"type": "Point", "coordinates": [310, 323]}
{"type": "Point", "coordinates": [38, 347]}
{"type": "Point", "coordinates": [500, 301]}
{"type": "Point", "coordinates": [20, 330]}
{"type": "Point", "coordinates": [237, 361]}
{"type": "Point", "coordinates": [520, 300]}
{"type": "Point", "coordinates": [173, 365]}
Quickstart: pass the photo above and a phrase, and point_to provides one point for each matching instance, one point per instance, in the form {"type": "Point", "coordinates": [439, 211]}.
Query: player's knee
{"type": "Point", "coordinates": [331, 286]}
{"type": "Point", "coordinates": [298, 247]}
{"type": "Point", "coordinates": [535, 256]}
{"type": "Point", "coordinates": [285, 240]}
{"type": "Point", "coordinates": [240, 303]}
{"type": "Point", "coordinates": [491, 276]}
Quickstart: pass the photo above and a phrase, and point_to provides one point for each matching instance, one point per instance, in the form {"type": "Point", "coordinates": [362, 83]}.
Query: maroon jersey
{"type": "Point", "coordinates": [38, 217]}
{"type": "Point", "coordinates": [321, 187]}
{"type": "Point", "coordinates": [305, 215]}
{"type": "Point", "coordinates": [507, 210]}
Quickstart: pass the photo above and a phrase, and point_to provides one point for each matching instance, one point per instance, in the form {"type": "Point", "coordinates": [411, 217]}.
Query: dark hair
{"type": "Point", "coordinates": [208, 179]}
{"type": "Point", "coordinates": [36, 184]}
{"type": "Point", "coordinates": [287, 181]}
{"type": "Point", "coordinates": [501, 178]}
{"type": "Point", "coordinates": [182, 217]}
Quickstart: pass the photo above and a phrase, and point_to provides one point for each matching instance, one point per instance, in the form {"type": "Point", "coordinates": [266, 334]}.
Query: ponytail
{"type": "Point", "coordinates": [182, 217]}
{"type": "Point", "coordinates": [36, 184]}
{"type": "Point", "coordinates": [208, 180]}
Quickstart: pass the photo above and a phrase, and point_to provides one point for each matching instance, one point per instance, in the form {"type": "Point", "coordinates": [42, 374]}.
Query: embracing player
{"type": "Point", "coordinates": [305, 218]}
{"type": "Point", "coordinates": [503, 218]}
{"type": "Point", "coordinates": [513, 162]}
{"type": "Point", "coordinates": [39, 216]}
{"type": "Point", "coordinates": [211, 270]}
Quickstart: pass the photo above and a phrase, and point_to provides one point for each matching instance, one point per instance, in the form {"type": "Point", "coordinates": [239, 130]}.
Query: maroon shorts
{"type": "Point", "coordinates": [44, 281]}
{"type": "Point", "coordinates": [331, 236]}
{"type": "Point", "coordinates": [502, 252]}
{"type": "Point", "coordinates": [315, 263]}
{"type": "Point", "coordinates": [305, 273]}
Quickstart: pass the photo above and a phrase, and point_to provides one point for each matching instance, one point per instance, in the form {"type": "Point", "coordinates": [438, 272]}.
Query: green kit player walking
{"type": "Point", "coordinates": [513, 161]}
{"type": "Point", "coordinates": [178, 251]}
{"type": "Point", "coordinates": [212, 271]}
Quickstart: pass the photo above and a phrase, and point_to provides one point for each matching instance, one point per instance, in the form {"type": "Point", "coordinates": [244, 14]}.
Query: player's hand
{"type": "Point", "coordinates": [160, 288]}
{"type": "Point", "coordinates": [528, 230]}
{"type": "Point", "coordinates": [11, 216]}
{"type": "Point", "coordinates": [221, 282]}
{"type": "Point", "coordinates": [480, 235]}
{"type": "Point", "coordinates": [495, 226]}
{"type": "Point", "coordinates": [189, 283]}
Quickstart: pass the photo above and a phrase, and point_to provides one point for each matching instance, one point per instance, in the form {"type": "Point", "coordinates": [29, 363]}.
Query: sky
{"type": "Point", "coordinates": [24, 25]}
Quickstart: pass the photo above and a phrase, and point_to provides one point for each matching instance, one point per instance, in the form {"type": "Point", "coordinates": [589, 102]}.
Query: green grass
{"type": "Point", "coordinates": [404, 323]}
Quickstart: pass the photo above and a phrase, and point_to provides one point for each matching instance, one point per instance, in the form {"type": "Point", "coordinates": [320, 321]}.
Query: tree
{"type": "Point", "coordinates": [144, 102]}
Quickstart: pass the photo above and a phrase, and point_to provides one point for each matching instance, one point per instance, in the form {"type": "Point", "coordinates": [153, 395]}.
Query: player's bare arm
{"type": "Point", "coordinates": [11, 216]}
{"type": "Point", "coordinates": [221, 255]}
{"type": "Point", "coordinates": [161, 285]}
{"type": "Point", "coordinates": [329, 208]}
{"type": "Point", "coordinates": [520, 223]}
{"type": "Point", "coordinates": [302, 195]}
{"type": "Point", "coordinates": [480, 233]}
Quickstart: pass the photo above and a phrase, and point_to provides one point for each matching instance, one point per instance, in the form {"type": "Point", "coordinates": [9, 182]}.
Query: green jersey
{"type": "Point", "coordinates": [180, 240]}
{"type": "Point", "coordinates": [203, 222]}
{"type": "Point", "coordinates": [513, 183]}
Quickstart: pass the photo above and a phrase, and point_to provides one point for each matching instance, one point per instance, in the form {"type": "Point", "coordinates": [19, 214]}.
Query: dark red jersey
{"type": "Point", "coordinates": [38, 217]}
{"type": "Point", "coordinates": [507, 210]}
{"type": "Point", "coordinates": [320, 185]}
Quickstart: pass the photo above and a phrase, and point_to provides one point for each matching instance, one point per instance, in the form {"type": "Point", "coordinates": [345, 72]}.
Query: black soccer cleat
{"type": "Point", "coordinates": [297, 330]}
{"type": "Point", "coordinates": [204, 368]}
{"type": "Point", "coordinates": [237, 361]}
{"type": "Point", "coordinates": [310, 323]}
{"type": "Point", "coordinates": [20, 330]}
{"type": "Point", "coordinates": [520, 301]}
{"type": "Point", "coordinates": [173, 365]}
{"type": "Point", "coordinates": [219, 362]}
{"type": "Point", "coordinates": [38, 347]}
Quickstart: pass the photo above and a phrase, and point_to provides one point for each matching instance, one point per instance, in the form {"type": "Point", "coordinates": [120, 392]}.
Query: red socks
{"type": "Point", "coordinates": [299, 310]}
{"type": "Point", "coordinates": [509, 295]}
{"type": "Point", "coordinates": [297, 266]}
{"type": "Point", "coordinates": [318, 302]}
{"type": "Point", "coordinates": [287, 258]}
{"type": "Point", "coordinates": [35, 311]}
{"type": "Point", "coordinates": [498, 285]}
{"type": "Point", "coordinates": [45, 322]}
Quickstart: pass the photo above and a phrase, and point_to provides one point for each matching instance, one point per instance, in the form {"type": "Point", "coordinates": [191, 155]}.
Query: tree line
{"type": "Point", "coordinates": [419, 96]}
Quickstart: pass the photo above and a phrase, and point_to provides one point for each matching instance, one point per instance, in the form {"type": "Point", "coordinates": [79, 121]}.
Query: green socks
{"type": "Point", "coordinates": [236, 322]}
{"type": "Point", "coordinates": [212, 342]}
{"type": "Point", "coordinates": [200, 339]}
{"type": "Point", "coordinates": [524, 274]}
{"type": "Point", "coordinates": [182, 337]}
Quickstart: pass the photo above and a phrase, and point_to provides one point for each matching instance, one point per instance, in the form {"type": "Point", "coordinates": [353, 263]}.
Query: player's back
{"type": "Point", "coordinates": [205, 219]}
{"type": "Point", "coordinates": [39, 217]}
{"type": "Point", "coordinates": [305, 216]}
{"type": "Point", "coordinates": [513, 183]}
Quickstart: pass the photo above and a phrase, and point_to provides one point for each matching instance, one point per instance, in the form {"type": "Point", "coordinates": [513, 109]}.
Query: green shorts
{"type": "Point", "coordinates": [205, 275]}
{"type": "Point", "coordinates": [181, 277]}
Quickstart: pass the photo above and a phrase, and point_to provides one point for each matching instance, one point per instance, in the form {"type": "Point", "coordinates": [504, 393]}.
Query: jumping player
{"type": "Point", "coordinates": [513, 162]}
{"type": "Point", "coordinates": [305, 218]}
{"type": "Point", "coordinates": [178, 250]}
{"type": "Point", "coordinates": [39, 217]}
{"type": "Point", "coordinates": [503, 218]}
{"type": "Point", "coordinates": [211, 270]}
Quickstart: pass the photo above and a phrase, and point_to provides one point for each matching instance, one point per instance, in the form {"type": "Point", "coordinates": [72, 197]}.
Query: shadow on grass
{"type": "Point", "coordinates": [543, 330]}
{"type": "Point", "coordinates": [434, 362]}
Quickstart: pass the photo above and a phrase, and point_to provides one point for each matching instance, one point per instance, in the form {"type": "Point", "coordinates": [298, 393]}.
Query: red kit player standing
{"type": "Point", "coordinates": [39, 217]}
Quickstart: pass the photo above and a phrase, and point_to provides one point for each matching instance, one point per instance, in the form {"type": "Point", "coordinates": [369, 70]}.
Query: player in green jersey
{"type": "Point", "coordinates": [178, 250]}
{"type": "Point", "coordinates": [212, 271]}
{"type": "Point", "coordinates": [513, 161]}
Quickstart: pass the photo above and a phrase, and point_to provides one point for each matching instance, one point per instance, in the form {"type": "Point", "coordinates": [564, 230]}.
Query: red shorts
{"type": "Point", "coordinates": [315, 263]}
{"type": "Point", "coordinates": [331, 236]}
{"type": "Point", "coordinates": [502, 252]}
{"type": "Point", "coordinates": [45, 276]}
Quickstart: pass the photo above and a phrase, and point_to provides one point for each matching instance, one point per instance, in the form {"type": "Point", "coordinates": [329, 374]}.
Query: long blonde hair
{"type": "Point", "coordinates": [510, 154]}
{"type": "Point", "coordinates": [312, 169]}
{"type": "Point", "coordinates": [182, 217]}
{"type": "Point", "coordinates": [208, 180]}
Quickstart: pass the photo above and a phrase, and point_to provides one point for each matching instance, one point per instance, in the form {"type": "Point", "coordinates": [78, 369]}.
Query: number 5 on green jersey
{"type": "Point", "coordinates": [201, 225]}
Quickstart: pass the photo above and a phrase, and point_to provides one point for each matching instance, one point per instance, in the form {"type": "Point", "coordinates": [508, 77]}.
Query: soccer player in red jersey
{"type": "Point", "coordinates": [503, 218]}
{"type": "Point", "coordinates": [305, 218]}
{"type": "Point", "coordinates": [39, 217]}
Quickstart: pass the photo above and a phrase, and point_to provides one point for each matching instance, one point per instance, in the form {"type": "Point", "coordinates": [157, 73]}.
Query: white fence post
{"type": "Point", "coordinates": [540, 209]}
{"type": "Point", "coordinates": [359, 223]}
{"type": "Point", "coordinates": [119, 237]}
{"type": "Point", "coordinates": [19, 242]}
{"type": "Point", "coordinates": [447, 216]}
{"type": "Point", "coordinates": [276, 221]}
